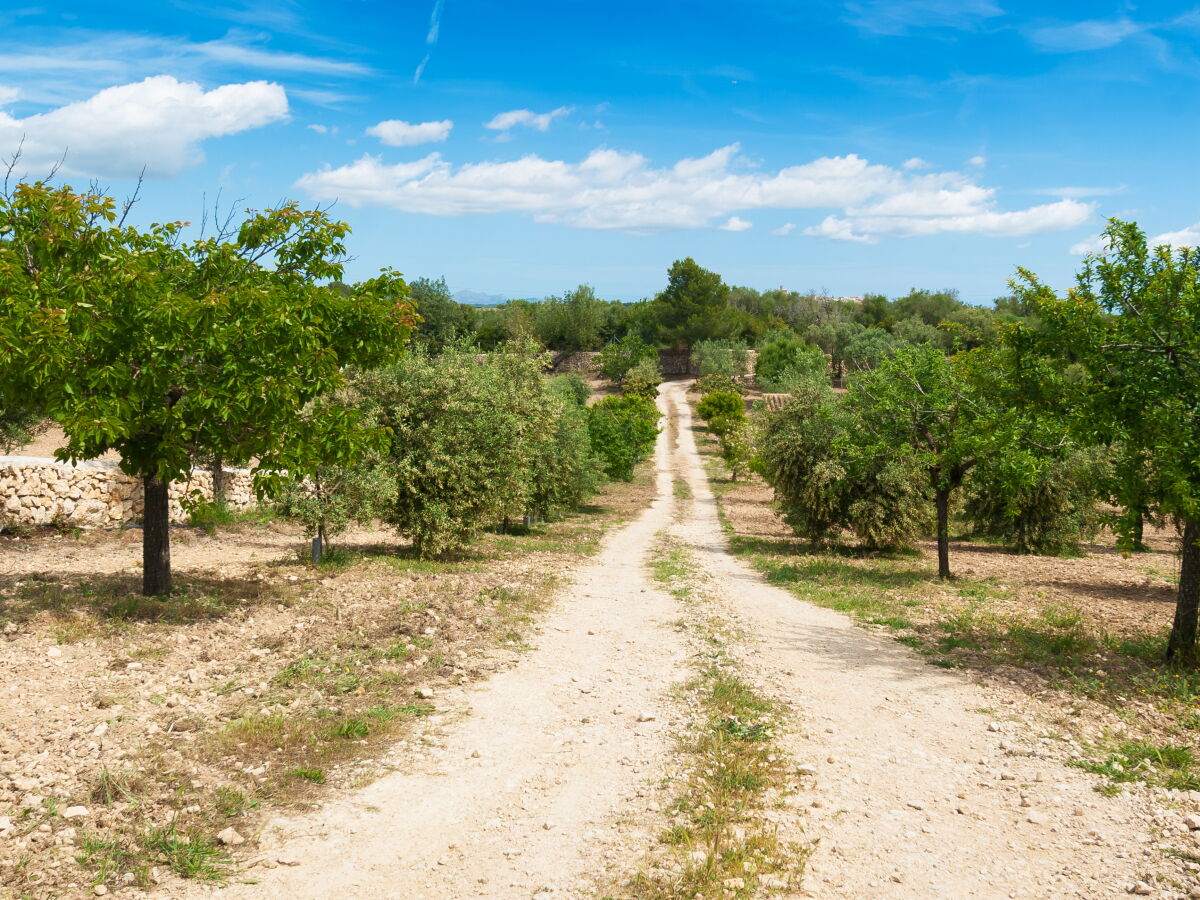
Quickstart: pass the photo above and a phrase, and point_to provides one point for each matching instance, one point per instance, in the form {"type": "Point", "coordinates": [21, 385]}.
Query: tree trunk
{"type": "Point", "coordinates": [156, 538]}
{"type": "Point", "coordinates": [218, 480]}
{"type": "Point", "coordinates": [1139, 531]}
{"type": "Point", "coordinates": [1181, 648]}
{"type": "Point", "coordinates": [942, 498]}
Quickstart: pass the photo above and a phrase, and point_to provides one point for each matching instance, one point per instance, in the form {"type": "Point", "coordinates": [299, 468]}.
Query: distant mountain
{"type": "Point", "coordinates": [479, 298]}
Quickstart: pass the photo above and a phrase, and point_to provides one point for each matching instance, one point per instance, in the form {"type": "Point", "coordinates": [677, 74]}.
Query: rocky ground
{"type": "Point", "coordinates": [395, 729]}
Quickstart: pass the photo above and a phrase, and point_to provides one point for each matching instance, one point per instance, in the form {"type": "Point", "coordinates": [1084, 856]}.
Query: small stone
{"type": "Point", "coordinates": [287, 859]}
{"type": "Point", "coordinates": [54, 652]}
{"type": "Point", "coordinates": [547, 825]}
{"type": "Point", "coordinates": [425, 693]}
{"type": "Point", "coordinates": [1007, 776]}
{"type": "Point", "coordinates": [474, 754]}
{"type": "Point", "coordinates": [806, 770]}
{"type": "Point", "coordinates": [698, 856]}
{"type": "Point", "coordinates": [1192, 822]}
{"type": "Point", "coordinates": [100, 730]}
{"type": "Point", "coordinates": [916, 804]}
{"type": "Point", "coordinates": [646, 717]}
{"type": "Point", "coordinates": [734, 884]}
{"type": "Point", "coordinates": [994, 727]}
{"type": "Point", "coordinates": [1036, 818]}
{"type": "Point", "coordinates": [1141, 888]}
{"type": "Point", "coordinates": [133, 666]}
{"type": "Point", "coordinates": [1026, 802]}
{"type": "Point", "coordinates": [100, 890]}
{"type": "Point", "coordinates": [75, 812]}
{"type": "Point", "coordinates": [230, 837]}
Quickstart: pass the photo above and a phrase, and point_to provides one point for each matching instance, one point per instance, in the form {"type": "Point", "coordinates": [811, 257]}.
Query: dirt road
{"type": "Point", "coordinates": [926, 784]}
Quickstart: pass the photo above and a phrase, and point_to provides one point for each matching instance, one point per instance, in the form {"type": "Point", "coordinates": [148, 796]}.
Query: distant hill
{"type": "Point", "coordinates": [479, 298]}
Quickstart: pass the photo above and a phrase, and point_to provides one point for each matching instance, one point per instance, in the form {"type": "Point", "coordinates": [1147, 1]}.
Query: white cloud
{"type": "Point", "coordinates": [397, 133]}
{"type": "Point", "coordinates": [157, 124]}
{"type": "Point", "coordinates": [538, 121]}
{"type": "Point", "coordinates": [785, 229]}
{"type": "Point", "coordinates": [319, 129]}
{"type": "Point", "coordinates": [736, 223]}
{"type": "Point", "coordinates": [978, 161]}
{"type": "Point", "coordinates": [1077, 192]}
{"type": "Point", "coordinates": [1185, 237]}
{"type": "Point", "coordinates": [897, 17]}
{"type": "Point", "coordinates": [1094, 34]}
{"type": "Point", "coordinates": [8, 94]}
{"type": "Point", "coordinates": [915, 163]}
{"type": "Point", "coordinates": [613, 189]}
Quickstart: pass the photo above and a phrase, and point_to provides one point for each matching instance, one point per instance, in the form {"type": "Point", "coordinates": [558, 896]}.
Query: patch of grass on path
{"type": "Point", "coordinates": [720, 842]}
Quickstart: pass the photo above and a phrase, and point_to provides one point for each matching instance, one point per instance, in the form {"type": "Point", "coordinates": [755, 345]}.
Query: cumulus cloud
{"type": "Point", "coordinates": [915, 163]}
{"type": "Point", "coordinates": [736, 223]}
{"type": "Point", "coordinates": [785, 229]}
{"type": "Point", "coordinates": [8, 94]}
{"type": "Point", "coordinates": [157, 124]}
{"type": "Point", "coordinates": [613, 189]}
{"type": "Point", "coordinates": [1184, 237]}
{"type": "Point", "coordinates": [1079, 191]}
{"type": "Point", "coordinates": [397, 133]}
{"type": "Point", "coordinates": [504, 121]}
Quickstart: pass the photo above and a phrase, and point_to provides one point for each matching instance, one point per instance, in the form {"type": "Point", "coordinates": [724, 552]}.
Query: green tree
{"type": "Point", "coordinates": [869, 348]}
{"type": "Point", "coordinates": [167, 351]}
{"type": "Point", "coordinates": [623, 432]}
{"type": "Point", "coordinates": [619, 357]}
{"type": "Point", "coordinates": [694, 306]}
{"type": "Point", "coordinates": [443, 319]}
{"type": "Point", "coordinates": [785, 361]}
{"type": "Point", "coordinates": [1132, 322]}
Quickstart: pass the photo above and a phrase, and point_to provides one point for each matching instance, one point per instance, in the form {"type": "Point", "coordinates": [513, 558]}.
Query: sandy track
{"type": "Point", "coordinates": [520, 787]}
{"type": "Point", "coordinates": [914, 795]}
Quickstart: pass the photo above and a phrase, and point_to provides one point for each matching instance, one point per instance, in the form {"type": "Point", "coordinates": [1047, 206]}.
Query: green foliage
{"type": "Point", "coordinates": [18, 426]}
{"type": "Point", "coordinates": [443, 320]}
{"type": "Point", "coordinates": [708, 384]}
{"type": "Point", "coordinates": [466, 433]}
{"type": "Point", "coordinates": [727, 405]}
{"type": "Point", "coordinates": [1043, 505]}
{"type": "Point", "coordinates": [168, 351]}
{"type": "Point", "coordinates": [693, 306]}
{"type": "Point", "coordinates": [787, 362]}
{"type": "Point", "coordinates": [737, 449]}
{"type": "Point", "coordinates": [619, 357]}
{"type": "Point", "coordinates": [623, 431]}
{"type": "Point", "coordinates": [868, 348]}
{"type": "Point", "coordinates": [642, 380]}
{"type": "Point", "coordinates": [565, 471]}
{"type": "Point", "coordinates": [571, 388]}
{"type": "Point", "coordinates": [727, 358]}
{"type": "Point", "coordinates": [574, 321]}
{"type": "Point", "coordinates": [336, 496]}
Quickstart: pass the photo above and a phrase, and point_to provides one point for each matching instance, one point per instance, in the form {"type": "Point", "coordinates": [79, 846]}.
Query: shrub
{"type": "Point", "coordinates": [565, 470]}
{"type": "Point", "coordinates": [1038, 506]}
{"type": "Point", "coordinates": [725, 404]}
{"type": "Point", "coordinates": [720, 357]}
{"type": "Point", "coordinates": [619, 357]}
{"type": "Point", "coordinates": [708, 384]}
{"type": "Point", "coordinates": [737, 449]}
{"type": "Point", "coordinates": [466, 437]}
{"type": "Point", "coordinates": [623, 431]}
{"type": "Point", "coordinates": [787, 362]}
{"type": "Point", "coordinates": [337, 496]}
{"type": "Point", "coordinates": [570, 387]}
{"type": "Point", "coordinates": [642, 380]}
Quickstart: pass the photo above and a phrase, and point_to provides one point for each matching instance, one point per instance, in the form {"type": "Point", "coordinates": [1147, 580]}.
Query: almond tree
{"type": "Point", "coordinates": [1132, 323]}
{"type": "Point", "coordinates": [167, 351]}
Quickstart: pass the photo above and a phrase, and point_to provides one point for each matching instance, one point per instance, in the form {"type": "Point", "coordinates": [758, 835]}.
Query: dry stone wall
{"type": "Point", "coordinates": [94, 494]}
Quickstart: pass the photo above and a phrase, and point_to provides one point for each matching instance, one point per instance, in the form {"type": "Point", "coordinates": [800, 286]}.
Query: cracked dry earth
{"type": "Point", "coordinates": [546, 779]}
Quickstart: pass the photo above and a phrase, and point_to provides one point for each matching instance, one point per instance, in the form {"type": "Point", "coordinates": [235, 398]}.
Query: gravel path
{"type": "Point", "coordinates": [926, 783]}
{"type": "Point", "coordinates": [922, 782]}
{"type": "Point", "coordinates": [520, 789]}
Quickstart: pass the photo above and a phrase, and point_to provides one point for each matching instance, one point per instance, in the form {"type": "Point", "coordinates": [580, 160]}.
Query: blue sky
{"type": "Point", "coordinates": [523, 148]}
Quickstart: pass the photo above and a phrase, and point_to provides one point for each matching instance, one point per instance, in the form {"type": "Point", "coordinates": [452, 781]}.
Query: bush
{"type": "Point", "coordinates": [623, 431]}
{"type": "Point", "coordinates": [619, 357]}
{"type": "Point", "coordinates": [570, 387]}
{"type": "Point", "coordinates": [786, 363]}
{"type": "Point", "coordinates": [467, 435]}
{"type": "Point", "coordinates": [720, 357]}
{"type": "Point", "coordinates": [1038, 506]}
{"type": "Point", "coordinates": [565, 471]}
{"type": "Point", "coordinates": [737, 449]}
{"type": "Point", "coordinates": [708, 384]}
{"type": "Point", "coordinates": [337, 496]}
{"type": "Point", "coordinates": [642, 380]}
{"type": "Point", "coordinates": [724, 404]}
